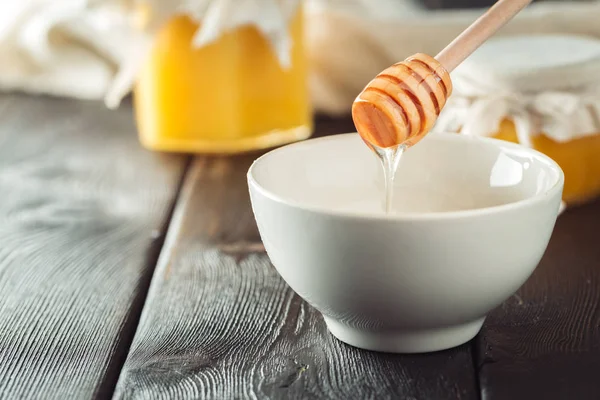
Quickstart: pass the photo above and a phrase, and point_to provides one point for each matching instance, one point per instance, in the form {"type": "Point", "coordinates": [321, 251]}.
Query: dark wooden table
{"type": "Point", "coordinates": [131, 275]}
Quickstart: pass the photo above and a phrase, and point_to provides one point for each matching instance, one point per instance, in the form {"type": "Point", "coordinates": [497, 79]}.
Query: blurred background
{"type": "Point", "coordinates": [229, 76]}
{"type": "Point", "coordinates": [128, 262]}
{"type": "Point", "coordinates": [77, 48]}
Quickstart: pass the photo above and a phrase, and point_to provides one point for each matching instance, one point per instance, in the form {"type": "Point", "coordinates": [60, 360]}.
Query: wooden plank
{"type": "Point", "coordinates": [544, 343]}
{"type": "Point", "coordinates": [220, 323]}
{"type": "Point", "coordinates": [82, 209]}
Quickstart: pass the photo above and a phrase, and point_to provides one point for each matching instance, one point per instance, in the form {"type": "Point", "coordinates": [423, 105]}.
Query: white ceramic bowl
{"type": "Point", "coordinates": [473, 219]}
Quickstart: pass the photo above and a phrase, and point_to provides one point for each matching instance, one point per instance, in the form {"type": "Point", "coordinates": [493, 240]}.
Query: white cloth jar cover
{"type": "Point", "coordinates": [545, 83]}
{"type": "Point", "coordinates": [270, 17]}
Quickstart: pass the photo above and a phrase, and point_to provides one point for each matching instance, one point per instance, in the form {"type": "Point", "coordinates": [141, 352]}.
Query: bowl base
{"type": "Point", "coordinates": [405, 341]}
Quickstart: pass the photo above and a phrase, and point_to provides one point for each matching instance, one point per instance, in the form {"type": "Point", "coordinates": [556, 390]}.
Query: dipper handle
{"type": "Point", "coordinates": [480, 31]}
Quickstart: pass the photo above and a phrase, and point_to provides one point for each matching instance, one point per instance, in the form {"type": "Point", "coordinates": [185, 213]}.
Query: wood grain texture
{"type": "Point", "coordinates": [544, 343]}
{"type": "Point", "coordinates": [82, 209]}
{"type": "Point", "coordinates": [220, 323]}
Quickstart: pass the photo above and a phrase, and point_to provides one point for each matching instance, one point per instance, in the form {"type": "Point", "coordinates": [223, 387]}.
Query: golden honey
{"type": "Point", "coordinates": [579, 159]}
{"type": "Point", "coordinates": [227, 97]}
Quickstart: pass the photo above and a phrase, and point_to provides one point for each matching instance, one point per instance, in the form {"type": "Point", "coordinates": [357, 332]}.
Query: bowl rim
{"type": "Point", "coordinates": [553, 191]}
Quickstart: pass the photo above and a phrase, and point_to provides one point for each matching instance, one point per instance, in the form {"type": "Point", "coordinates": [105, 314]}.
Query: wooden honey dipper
{"type": "Point", "coordinates": [401, 105]}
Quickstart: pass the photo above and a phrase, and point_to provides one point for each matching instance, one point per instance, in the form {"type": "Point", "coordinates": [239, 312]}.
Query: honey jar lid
{"type": "Point", "coordinates": [530, 63]}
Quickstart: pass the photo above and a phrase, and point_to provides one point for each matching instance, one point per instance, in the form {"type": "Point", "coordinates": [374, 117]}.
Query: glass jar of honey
{"type": "Point", "coordinates": [541, 91]}
{"type": "Point", "coordinates": [233, 94]}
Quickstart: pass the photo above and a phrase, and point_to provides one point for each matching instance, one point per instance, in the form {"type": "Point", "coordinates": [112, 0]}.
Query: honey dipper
{"type": "Point", "coordinates": [402, 103]}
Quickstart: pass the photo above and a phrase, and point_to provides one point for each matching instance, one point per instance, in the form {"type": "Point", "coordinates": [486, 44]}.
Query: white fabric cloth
{"type": "Point", "coordinates": [62, 48]}
{"type": "Point", "coordinates": [562, 116]}
{"type": "Point", "coordinates": [90, 49]}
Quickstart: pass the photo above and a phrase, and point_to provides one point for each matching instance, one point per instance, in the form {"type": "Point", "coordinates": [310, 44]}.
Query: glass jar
{"type": "Point", "coordinates": [232, 95]}
{"type": "Point", "coordinates": [540, 91]}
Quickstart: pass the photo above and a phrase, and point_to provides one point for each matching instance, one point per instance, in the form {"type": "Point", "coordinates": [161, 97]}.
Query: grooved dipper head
{"type": "Point", "coordinates": [402, 103]}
